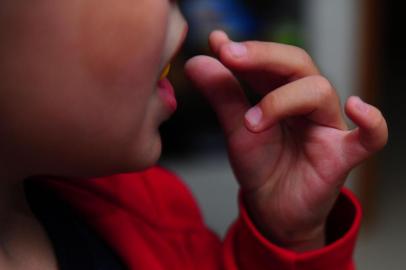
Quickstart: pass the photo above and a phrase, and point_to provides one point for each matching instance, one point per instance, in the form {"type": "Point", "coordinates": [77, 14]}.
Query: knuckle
{"type": "Point", "coordinates": [304, 60]}
{"type": "Point", "coordinates": [269, 102]}
{"type": "Point", "coordinates": [323, 87]}
{"type": "Point", "coordinates": [254, 47]}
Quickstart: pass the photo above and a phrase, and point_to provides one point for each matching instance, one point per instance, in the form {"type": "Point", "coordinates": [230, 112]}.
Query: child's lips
{"type": "Point", "coordinates": [165, 88]}
{"type": "Point", "coordinates": [167, 94]}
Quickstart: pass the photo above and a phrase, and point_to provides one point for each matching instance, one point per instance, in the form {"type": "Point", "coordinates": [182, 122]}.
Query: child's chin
{"type": "Point", "coordinates": [130, 166]}
{"type": "Point", "coordinates": [138, 159]}
{"type": "Point", "coordinates": [147, 158]}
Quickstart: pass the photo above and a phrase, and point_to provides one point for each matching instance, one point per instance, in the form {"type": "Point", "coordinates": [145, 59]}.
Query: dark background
{"type": "Point", "coordinates": [260, 20]}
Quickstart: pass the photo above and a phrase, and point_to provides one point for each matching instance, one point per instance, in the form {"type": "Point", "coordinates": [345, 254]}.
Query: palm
{"type": "Point", "coordinates": [304, 156]}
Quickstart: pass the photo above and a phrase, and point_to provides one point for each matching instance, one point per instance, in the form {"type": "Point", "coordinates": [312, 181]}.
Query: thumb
{"type": "Point", "coordinates": [371, 134]}
{"type": "Point", "coordinates": [221, 88]}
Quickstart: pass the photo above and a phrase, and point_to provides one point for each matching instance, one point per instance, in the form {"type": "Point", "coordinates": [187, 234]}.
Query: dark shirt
{"type": "Point", "coordinates": [76, 245]}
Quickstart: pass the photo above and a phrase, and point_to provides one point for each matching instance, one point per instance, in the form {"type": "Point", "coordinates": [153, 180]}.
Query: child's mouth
{"type": "Point", "coordinates": [166, 91]}
{"type": "Point", "coordinates": [165, 88]}
{"type": "Point", "coordinates": [165, 72]}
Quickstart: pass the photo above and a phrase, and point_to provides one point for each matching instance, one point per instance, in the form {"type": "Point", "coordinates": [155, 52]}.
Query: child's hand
{"type": "Point", "coordinates": [293, 151]}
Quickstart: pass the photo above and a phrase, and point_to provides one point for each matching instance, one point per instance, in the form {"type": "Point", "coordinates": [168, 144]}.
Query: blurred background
{"type": "Point", "coordinates": [357, 44]}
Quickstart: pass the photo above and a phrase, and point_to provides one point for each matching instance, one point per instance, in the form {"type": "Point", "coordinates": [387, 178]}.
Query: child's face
{"type": "Point", "coordinates": [78, 83]}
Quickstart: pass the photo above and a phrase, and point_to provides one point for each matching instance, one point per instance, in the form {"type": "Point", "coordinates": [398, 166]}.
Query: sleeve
{"type": "Point", "coordinates": [245, 248]}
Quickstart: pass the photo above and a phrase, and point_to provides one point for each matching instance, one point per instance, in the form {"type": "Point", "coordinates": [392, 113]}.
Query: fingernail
{"type": "Point", "coordinates": [237, 49]}
{"type": "Point", "coordinates": [361, 105]}
{"type": "Point", "coordinates": [254, 116]}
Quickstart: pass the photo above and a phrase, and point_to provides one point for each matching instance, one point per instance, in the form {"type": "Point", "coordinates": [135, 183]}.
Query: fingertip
{"type": "Point", "coordinates": [256, 121]}
{"type": "Point", "coordinates": [251, 128]}
{"type": "Point", "coordinates": [372, 125]}
{"type": "Point", "coordinates": [357, 110]}
{"type": "Point", "coordinates": [217, 38]}
{"type": "Point", "coordinates": [362, 113]}
{"type": "Point", "coordinates": [202, 68]}
{"type": "Point", "coordinates": [192, 65]}
{"type": "Point", "coordinates": [357, 104]}
{"type": "Point", "coordinates": [200, 62]}
{"type": "Point", "coordinates": [218, 34]}
{"type": "Point", "coordinates": [253, 118]}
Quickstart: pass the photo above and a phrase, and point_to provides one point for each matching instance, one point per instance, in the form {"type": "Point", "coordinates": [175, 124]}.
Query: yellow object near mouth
{"type": "Point", "coordinates": [165, 72]}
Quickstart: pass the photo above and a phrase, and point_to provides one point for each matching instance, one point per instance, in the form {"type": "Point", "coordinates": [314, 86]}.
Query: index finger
{"type": "Point", "coordinates": [271, 60]}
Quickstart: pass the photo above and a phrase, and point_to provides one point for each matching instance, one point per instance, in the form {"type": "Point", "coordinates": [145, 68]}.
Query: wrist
{"type": "Point", "coordinates": [300, 241]}
{"type": "Point", "coordinates": [296, 235]}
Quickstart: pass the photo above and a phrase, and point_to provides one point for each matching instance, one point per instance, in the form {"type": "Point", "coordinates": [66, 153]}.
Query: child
{"type": "Point", "coordinates": [82, 97]}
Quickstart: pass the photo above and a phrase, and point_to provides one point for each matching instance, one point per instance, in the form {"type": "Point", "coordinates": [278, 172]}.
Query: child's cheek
{"type": "Point", "coordinates": [117, 37]}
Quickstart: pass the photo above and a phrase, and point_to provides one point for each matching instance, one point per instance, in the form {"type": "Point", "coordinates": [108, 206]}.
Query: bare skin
{"type": "Point", "coordinates": [292, 152]}
{"type": "Point", "coordinates": [74, 102]}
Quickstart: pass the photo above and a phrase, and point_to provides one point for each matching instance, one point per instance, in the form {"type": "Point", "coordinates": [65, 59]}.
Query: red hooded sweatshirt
{"type": "Point", "coordinates": [152, 221]}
